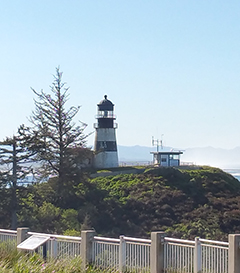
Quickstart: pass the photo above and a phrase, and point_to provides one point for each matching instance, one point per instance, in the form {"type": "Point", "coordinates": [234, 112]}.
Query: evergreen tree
{"type": "Point", "coordinates": [55, 136]}
{"type": "Point", "coordinates": [15, 166]}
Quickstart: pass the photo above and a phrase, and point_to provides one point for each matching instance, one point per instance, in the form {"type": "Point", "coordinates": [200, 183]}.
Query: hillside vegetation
{"type": "Point", "coordinates": [183, 203]}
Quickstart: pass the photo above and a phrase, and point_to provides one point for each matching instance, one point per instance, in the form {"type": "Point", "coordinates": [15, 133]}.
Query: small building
{"type": "Point", "coordinates": [167, 159]}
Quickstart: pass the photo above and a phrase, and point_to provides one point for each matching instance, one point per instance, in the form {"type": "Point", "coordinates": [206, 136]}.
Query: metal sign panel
{"type": "Point", "coordinates": [33, 242]}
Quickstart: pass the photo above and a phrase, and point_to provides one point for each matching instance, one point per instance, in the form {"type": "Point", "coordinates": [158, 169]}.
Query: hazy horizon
{"type": "Point", "coordinates": [215, 157]}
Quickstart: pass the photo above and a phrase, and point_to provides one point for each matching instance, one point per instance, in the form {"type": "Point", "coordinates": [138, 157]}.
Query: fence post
{"type": "Point", "coordinates": [234, 253]}
{"type": "Point", "coordinates": [86, 247]}
{"type": "Point", "coordinates": [197, 256]}
{"type": "Point", "coordinates": [157, 252]}
{"type": "Point", "coordinates": [53, 248]}
{"type": "Point", "coordinates": [22, 234]}
{"type": "Point", "coordinates": [122, 254]}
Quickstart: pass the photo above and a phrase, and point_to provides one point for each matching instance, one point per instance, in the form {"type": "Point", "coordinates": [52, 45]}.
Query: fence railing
{"type": "Point", "coordinates": [105, 253]}
{"type": "Point", "coordinates": [214, 256]}
{"type": "Point", "coordinates": [160, 254]}
{"type": "Point", "coordinates": [125, 253]}
{"type": "Point", "coordinates": [137, 254]}
{"type": "Point", "coordinates": [8, 235]}
{"type": "Point", "coordinates": [59, 246]}
{"type": "Point", "coordinates": [200, 255]}
{"type": "Point", "coordinates": [178, 255]}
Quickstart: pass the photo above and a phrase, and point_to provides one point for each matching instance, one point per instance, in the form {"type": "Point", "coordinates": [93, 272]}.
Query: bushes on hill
{"type": "Point", "coordinates": [184, 203]}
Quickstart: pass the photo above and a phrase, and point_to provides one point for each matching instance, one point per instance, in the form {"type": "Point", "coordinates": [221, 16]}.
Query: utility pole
{"type": "Point", "coordinates": [14, 186]}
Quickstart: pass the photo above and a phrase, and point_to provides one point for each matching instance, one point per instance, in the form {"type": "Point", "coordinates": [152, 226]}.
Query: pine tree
{"type": "Point", "coordinates": [15, 166]}
{"type": "Point", "coordinates": [54, 133]}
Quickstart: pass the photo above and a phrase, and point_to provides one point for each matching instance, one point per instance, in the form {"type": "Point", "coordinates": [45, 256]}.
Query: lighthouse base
{"type": "Point", "coordinates": [105, 148]}
{"type": "Point", "coordinates": [106, 160]}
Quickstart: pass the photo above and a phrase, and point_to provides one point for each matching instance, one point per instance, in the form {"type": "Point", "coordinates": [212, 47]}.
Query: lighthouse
{"type": "Point", "coordinates": [105, 146]}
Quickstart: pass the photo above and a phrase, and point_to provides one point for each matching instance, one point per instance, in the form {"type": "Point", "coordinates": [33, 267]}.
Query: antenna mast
{"type": "Point", "coordinates": [156, 142]}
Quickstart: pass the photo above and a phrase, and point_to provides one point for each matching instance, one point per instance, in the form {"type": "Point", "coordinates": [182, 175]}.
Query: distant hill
{"type": "Point", "coordinates": [137, 153]}
{"type": "Point", "coordinates": [217, 157]}
{"type": "Point", "coordinates": [134, 153]}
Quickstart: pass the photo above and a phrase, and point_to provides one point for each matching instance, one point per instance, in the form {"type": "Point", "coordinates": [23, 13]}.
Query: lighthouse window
{"type": "Point", "coordinates": [102, 114]}
{"type": "Point", "coordinates": [105, 114]}
{"type": "Point", "coordinates": [164, 160]}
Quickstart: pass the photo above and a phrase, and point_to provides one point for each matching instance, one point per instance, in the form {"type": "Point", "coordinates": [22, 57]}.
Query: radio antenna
{"type": "Point", "coordinates": [156, 142]}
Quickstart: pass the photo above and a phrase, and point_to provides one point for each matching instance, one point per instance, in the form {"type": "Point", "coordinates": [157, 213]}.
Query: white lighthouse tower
{"type": "Point", "coordinates": [105, 145]}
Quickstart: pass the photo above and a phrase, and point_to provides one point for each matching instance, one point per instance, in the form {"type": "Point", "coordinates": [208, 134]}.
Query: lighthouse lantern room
{"type": "Point", "coordinates": [105, 145]}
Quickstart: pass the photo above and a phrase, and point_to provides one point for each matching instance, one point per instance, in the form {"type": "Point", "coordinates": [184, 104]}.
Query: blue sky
{"type": "Point", "coordinates": [171, 68]}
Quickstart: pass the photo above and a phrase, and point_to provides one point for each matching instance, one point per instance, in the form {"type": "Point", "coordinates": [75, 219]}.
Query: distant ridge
{"type": "Point", "coordinates": [217, 157]}
{"type": "Point", "coordinates": [137, 153]}
{"type": "Point", "coordinates": [134, 153]}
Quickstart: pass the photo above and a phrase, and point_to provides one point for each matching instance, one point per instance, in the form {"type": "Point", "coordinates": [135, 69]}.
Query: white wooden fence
{"type": "Point", "coordinates": [121, 254]}
{"type": "Point", "coordinates": [8, 235]}
{"type": "Point", "coordinates": [158, 254]}
{"type": "Point", "coordinates": [195, 256]}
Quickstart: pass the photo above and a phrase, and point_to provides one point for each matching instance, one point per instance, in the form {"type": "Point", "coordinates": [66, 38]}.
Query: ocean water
{"type": "Point", "coordinates": [233, 172]}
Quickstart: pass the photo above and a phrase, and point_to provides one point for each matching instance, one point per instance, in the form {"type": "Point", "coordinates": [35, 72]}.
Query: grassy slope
{"type": "Point", "coordinates": [184, 203]}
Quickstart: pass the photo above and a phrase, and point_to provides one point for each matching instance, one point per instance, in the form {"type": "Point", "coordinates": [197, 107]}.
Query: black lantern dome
{"type": "Point", "coordinates": [105, 104]}
{"type": "Point", "coordinates": [105, 114]}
